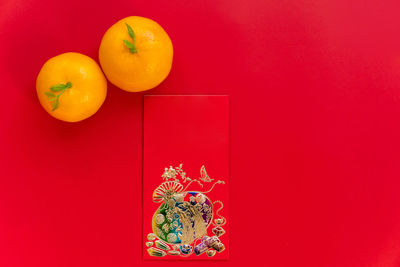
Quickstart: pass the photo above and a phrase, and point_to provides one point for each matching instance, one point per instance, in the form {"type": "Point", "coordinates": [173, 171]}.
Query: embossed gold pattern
{"type": "Point", "coordinates": [184, 216]}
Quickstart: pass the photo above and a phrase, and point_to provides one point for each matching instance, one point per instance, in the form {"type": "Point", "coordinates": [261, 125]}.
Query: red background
{"type": "Point", "coordinates": [194, 131]}
{"type": "Point", "coordinates": [315, 102]}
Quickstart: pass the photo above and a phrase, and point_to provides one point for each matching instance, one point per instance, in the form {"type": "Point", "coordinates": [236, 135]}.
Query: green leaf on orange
{"type": "Point", "coordinates": [130, 31]}
{"type": "Point", "coordinates": [58, 87]}
{"type": "Point", "coordinates": [55, 105]}
{"type": "Point", "coordinates": [49, 94]}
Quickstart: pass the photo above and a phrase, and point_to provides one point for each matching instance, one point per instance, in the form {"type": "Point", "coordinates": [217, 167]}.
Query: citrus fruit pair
{"type": "Point", "coordinates": [135, 55]}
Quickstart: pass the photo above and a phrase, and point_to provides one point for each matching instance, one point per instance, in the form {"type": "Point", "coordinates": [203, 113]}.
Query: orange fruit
{"type": "Point", "coordinates": [71, 87]}
{"type": "Point", "coordinates": [136, 54]}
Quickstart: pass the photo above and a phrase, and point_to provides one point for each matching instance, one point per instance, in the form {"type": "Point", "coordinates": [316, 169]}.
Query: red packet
{"type": "Point", "coordinates": [186, 177]}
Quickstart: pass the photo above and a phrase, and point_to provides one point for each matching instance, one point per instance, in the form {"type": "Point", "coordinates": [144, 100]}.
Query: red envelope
{"type": "Point", "coordinates": [186, 177]}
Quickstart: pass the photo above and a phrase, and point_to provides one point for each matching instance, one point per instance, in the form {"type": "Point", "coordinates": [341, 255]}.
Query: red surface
{"type": "Point", "coordinates": [194, 131]}
{"type": "Point", "coordinates": [315, 99]}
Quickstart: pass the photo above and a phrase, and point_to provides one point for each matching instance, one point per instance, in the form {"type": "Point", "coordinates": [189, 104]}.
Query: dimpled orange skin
{"type": "Point", "coordinates": [143, 70]}
{"type": "Point", "coordinates": [88, 90]}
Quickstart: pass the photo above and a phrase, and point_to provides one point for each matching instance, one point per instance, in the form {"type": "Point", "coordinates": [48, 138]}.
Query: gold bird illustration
{"type": "Point", "coordinates": [204, 176]}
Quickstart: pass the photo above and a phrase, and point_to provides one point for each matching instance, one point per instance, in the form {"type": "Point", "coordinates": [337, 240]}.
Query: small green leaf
{"type": "Point", "coordinates": [55, 105]}
{"type": "Point", "coordinates": [49, 94]}
{"type": "Point", "coordinates": [130, 31]}
{"type": "Point", "coordinates": [128, 44]}
{"type": "Point", "coordinates": [55, 98]}
{"type": "Point", "coordinates": [58, 87]}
